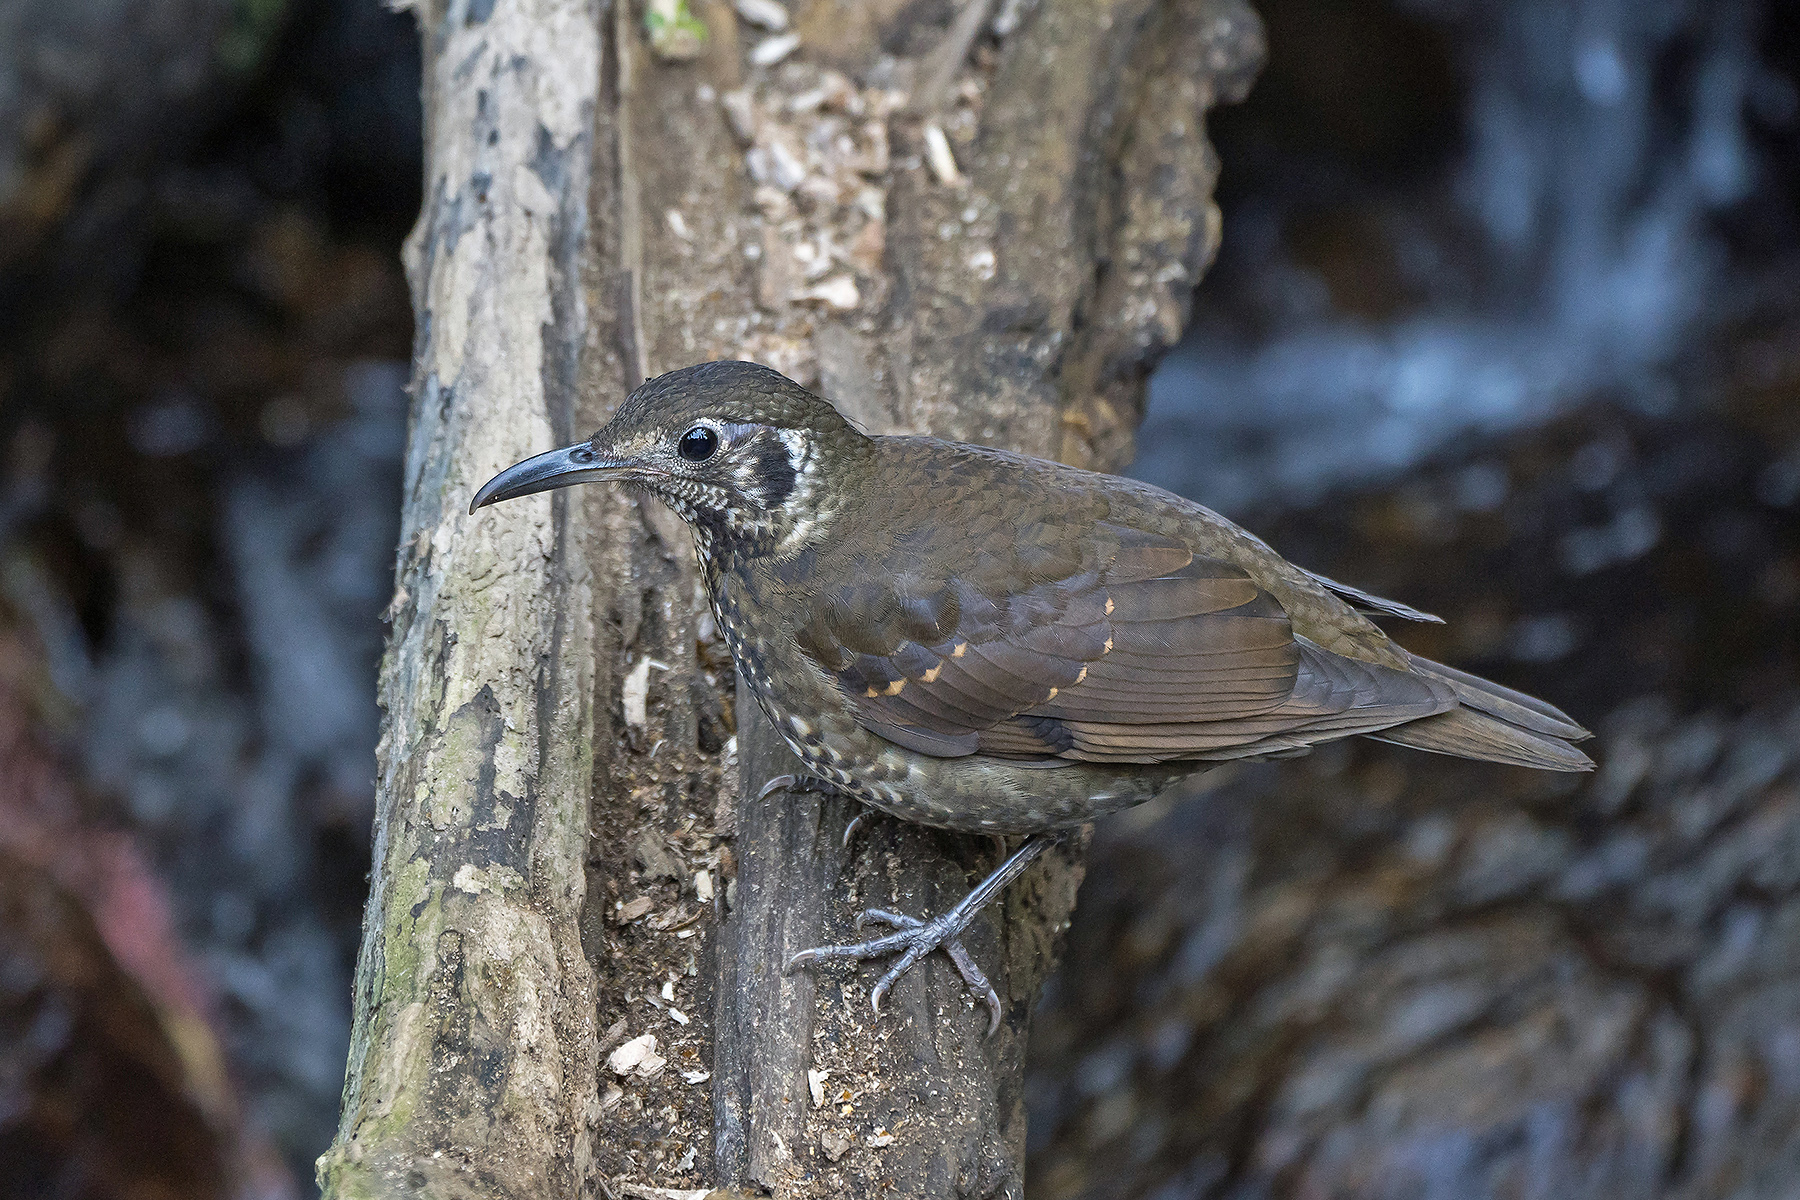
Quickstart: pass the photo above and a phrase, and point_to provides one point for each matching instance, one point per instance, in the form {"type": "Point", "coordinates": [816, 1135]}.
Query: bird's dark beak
{"type": "Point", "coordinates": [541, 472]}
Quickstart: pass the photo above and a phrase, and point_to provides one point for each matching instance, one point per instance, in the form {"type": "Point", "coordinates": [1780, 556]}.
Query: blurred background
{"type": "Point", "coordinates": [1506, 325]}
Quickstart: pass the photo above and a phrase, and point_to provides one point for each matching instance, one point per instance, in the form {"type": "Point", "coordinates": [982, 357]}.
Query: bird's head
{"type": "Point", "coordinates": [738, 450]}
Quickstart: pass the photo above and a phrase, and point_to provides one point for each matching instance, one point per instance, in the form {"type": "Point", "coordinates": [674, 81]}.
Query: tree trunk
{"type": "Point", "coordinates": [993, 246]}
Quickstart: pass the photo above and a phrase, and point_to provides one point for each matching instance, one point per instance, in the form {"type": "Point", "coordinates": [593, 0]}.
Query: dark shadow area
{"type": "Point", "coordinates": [203, 343]}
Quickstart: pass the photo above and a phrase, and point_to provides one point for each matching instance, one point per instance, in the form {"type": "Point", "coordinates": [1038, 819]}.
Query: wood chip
{"type": "Point", "coordinates": [633, 910]}
{"type": "Point", "coordinates": [772, 202]}
{"type": "Point", "coordinates": [634, 693]}
{"type": "Point", "coordinates": [840, 94]}
{"type": "Point", "coordinates": [787, 167]}
{"type": "Point", "coordinates": [637, 1057]}
{"type": "Point", "coordinates": [678, 917]}
{"type": "Point", "coordinates": [874, 160]}
{"type": "Point", "coordinates": [740, 114]}
{"type": "Point", "coordinates": [614, 1034]}
{"type": "Point", "coordinates": [766, 13]}
{"type": "Point", "coordinates": [939, 156]}
{"type": "Point", "coordinates": [639, 1191]}
{"type": "Point", "coordinates": [770, 51]}
{"type": "Point", "coordinates": [821, 190]}
{"type": "Point", "coordinates": [653, 856]}
{"type": "Point", "coordinates": [839, 293]}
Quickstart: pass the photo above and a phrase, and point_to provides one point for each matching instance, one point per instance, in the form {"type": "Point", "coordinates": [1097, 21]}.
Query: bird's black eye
{"type": "Point", "coordinates": [698, 444]}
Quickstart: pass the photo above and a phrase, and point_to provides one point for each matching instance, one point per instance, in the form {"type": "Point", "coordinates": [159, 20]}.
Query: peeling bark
{"type": "Point", "coordinates": [554, 738]}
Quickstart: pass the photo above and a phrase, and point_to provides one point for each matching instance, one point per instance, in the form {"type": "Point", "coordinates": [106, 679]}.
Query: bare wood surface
{"type": "Point", "coordinates": [540, 971]}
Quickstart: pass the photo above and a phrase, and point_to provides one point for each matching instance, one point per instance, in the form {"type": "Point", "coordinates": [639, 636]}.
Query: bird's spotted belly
{"type": "Point", "coordinates": [975, 794]}
{"type": "Point", "coordinates": [869, 780]}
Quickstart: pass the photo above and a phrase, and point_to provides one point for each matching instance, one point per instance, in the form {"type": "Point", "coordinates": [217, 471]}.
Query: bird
{"type": "Point", "coordinates": [984, 641]}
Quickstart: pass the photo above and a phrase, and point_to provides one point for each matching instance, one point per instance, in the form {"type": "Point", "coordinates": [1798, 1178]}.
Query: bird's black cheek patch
{"type": "Point", "coordinates": [775, 475]}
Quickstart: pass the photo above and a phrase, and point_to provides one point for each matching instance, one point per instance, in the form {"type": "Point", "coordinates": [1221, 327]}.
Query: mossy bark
{"type": "Point", "coordinates": [474, 1046]}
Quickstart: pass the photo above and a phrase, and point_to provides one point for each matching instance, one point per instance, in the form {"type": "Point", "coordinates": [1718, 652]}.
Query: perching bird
{"type": "Point", "coordinates": [984, 641]}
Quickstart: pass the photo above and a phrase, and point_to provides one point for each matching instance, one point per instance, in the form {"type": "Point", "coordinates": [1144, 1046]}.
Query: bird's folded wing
{"type": "Point", "coordinates": [1138, 652]}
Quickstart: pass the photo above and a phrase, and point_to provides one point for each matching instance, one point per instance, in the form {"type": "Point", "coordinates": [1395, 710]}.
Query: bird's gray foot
{"type": "Point", "coordinates": [913, 939]}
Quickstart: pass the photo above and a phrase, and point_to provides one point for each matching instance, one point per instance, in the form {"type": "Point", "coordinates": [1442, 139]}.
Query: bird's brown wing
{"type": "Point", "coordinates": [1126, 648]}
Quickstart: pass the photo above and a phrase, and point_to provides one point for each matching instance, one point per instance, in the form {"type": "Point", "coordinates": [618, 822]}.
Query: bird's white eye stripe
{"type": "Point", "coordinates": [799, 449]}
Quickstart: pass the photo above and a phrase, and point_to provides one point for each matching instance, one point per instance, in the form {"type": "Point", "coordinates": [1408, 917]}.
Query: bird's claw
{"type": "Point", "coordinates": [777, 784]}
{"type": "Point", "coordinates": [808, 783]}
{"type": "Point", "coordinates": [913, 939]}
{"type": "Point", "coordinates": [795, 783]}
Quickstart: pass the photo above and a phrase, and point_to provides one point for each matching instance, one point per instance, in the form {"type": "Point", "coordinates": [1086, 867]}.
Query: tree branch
{"type": "Point", "coordinates": [1011, 297]}
{"type": "Point", "coordinates": [474, 1035]}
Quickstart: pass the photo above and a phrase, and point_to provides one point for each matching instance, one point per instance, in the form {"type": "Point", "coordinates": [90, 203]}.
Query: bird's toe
{"type": "Point", "coordinates": [881, 916]}
{"type": "Point", "coordinates": [913, 939]}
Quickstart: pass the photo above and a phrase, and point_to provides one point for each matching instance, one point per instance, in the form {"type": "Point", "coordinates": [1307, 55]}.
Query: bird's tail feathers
{"type": "Point", "coordinates": [1494, 724]}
